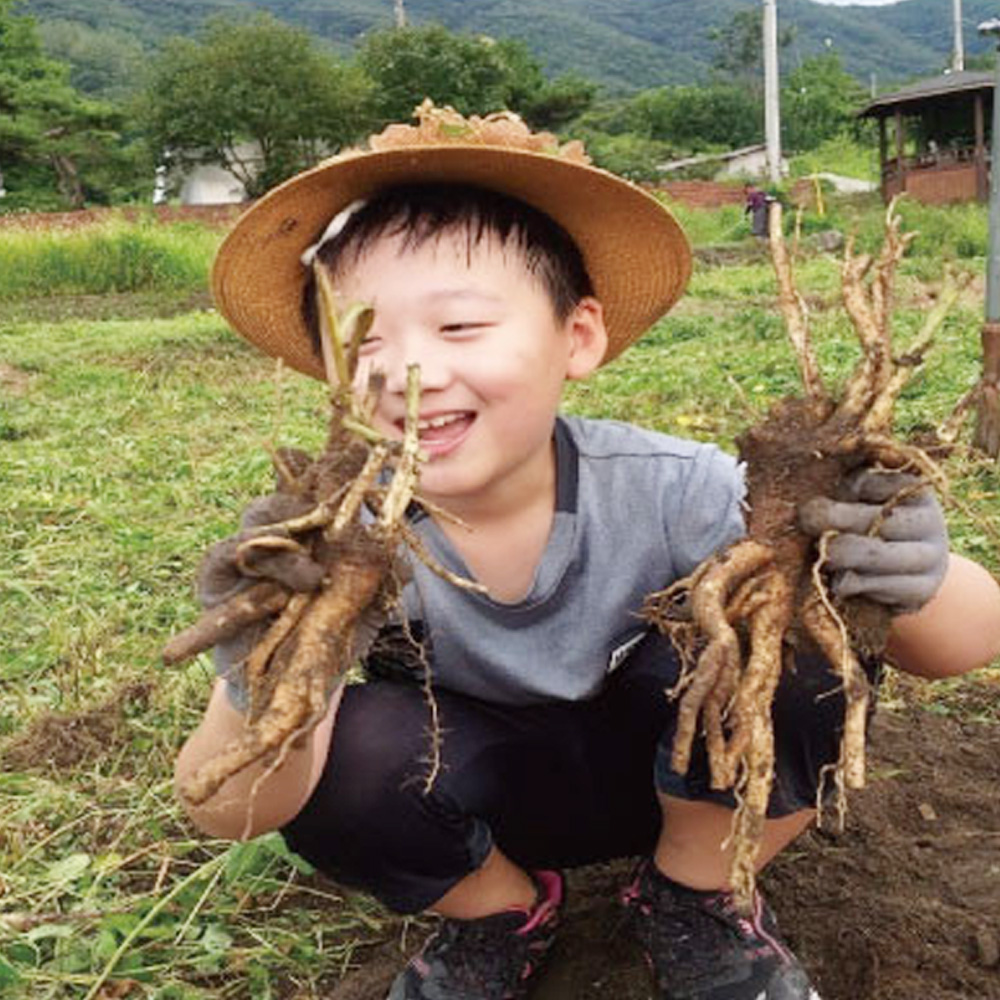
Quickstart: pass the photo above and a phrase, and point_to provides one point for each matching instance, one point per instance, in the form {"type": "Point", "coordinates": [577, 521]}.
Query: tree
{"type": "Point", "coordinates": [408, 64]}
{"type": "Point", "coordinates": [103, 63]}
{"type": "Point", "coordinates": [695, 119]}
{"type": "Point", "coordinates": [543, 103]}
{"type": "Point", "coordinates": [474, 74]}
{"type": "Point", "coordinates": [739, 47]}
{"type": "Point", "coordinates": [51, 138]}
{"type": "Point", "coordinates": [254, 81]}
{"type": "Point", "coordinates": [819, 101]}
{"type": "Point", "coordinates": [557, 102]}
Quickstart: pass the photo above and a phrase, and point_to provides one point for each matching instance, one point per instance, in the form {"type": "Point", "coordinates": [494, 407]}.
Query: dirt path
{"type": "Point", "coordinates": [904, 905]}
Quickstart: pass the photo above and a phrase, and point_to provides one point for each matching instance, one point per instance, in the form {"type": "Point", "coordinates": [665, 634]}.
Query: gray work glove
{"type": "Point", "coordinates": [223, 575]}
{"type": "Point", "coordinates": [901, 565]}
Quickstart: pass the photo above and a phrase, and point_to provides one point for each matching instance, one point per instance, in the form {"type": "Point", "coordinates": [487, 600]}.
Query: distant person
{"type": "Point", "coordinates": [505, 265]}
{"type": "Point", "coordinates": [758, 205]}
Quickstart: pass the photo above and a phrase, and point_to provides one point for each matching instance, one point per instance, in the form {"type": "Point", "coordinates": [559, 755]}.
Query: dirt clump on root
{"type": "Point", "coordinates": [902, 904]}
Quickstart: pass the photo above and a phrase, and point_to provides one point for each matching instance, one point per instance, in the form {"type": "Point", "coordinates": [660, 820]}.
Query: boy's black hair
{"type": "Point", "coordinates": [421, 212]}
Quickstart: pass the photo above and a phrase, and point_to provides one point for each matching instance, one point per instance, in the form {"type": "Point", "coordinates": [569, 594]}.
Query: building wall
{"type": "Point", "coordinates": [753, 164]}
{"type": "Point", "coordinates": [701, 194]}
{"type": "Point", "coordinates": [939, 186]}
{"type": "Point", "coordinates": [211, 185]}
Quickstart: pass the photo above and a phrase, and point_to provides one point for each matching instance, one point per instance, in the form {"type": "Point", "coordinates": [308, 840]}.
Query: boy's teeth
{"type": "Point", "coordinates": [425, 425]}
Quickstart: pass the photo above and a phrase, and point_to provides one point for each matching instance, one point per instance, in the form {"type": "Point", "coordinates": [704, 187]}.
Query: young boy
{"type": "Point", "coordinates": [504, 266]}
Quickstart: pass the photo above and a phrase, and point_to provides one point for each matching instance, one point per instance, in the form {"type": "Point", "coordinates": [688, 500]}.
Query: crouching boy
{"type": "Point", "coordinates": [504, 266]}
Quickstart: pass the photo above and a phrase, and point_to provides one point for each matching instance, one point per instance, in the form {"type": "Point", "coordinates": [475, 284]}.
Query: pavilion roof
{"type": "Point", "coordinates": [927, 91]}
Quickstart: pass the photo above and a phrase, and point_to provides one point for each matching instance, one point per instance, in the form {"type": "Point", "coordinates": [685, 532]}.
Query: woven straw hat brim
{"type": "Point", "coordinates": [637, 255]}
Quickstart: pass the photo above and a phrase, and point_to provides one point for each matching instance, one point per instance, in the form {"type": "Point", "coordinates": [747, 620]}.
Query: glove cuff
{"type": "Point", "coordinates": [230, 670]}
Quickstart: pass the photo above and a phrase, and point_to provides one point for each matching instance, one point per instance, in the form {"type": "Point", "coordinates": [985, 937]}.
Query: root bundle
{"type": "Point", "coordinates": [356, 494]}
{"type": "Point", "coordinates": [742, 612]}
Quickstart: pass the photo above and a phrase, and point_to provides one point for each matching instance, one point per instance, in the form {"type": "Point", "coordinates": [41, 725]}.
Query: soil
{"type": "Point", "coordinates": [904, 904]}
{"type": "Point", "coordinates": [57, 741]}
{"type": "Point", "coordinates": [13, 380]}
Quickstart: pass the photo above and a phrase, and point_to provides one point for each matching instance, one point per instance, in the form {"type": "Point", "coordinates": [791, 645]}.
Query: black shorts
{"type": "Point", "coordinates": [553, 785]}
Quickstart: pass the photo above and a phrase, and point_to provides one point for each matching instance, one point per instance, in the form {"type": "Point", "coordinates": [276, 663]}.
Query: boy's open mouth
{"type": "Point", "coordinates": [441, 432]}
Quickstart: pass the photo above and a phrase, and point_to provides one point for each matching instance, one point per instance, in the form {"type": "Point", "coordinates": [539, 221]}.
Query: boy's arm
{"type": "Point", "coordinates": [222, 575]}
{"type": "Point", "coordinates": [956, 631]}
{"type": "Point", "coordinates": [280, 796]}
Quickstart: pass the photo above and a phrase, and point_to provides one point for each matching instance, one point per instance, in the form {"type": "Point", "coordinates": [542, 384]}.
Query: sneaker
{"type": "Point", "coordinates": [492, 958]}
{"type": "Point", "coordinates": [699, 947]}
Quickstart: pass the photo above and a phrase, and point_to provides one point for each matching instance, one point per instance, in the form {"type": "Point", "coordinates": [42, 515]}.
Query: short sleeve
{"type": "Point", "coordinates": [709, 513]}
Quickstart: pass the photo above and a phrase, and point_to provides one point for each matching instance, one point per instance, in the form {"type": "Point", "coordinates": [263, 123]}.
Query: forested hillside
{"type": "Point", "coordinates": [623, 44]}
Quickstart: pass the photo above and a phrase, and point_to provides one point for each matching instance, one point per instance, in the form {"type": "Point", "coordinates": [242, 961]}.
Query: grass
{"type": "Point", "coordinates": [115, 256]}
{"type": "Point", "coordinates": [127, 448]}
{"type": "Point", "coordinates": [128, 444]}
{"type": "Point", "coordinates": [709, 227]}
{"type": "Point", "coordinates": [839, 155]}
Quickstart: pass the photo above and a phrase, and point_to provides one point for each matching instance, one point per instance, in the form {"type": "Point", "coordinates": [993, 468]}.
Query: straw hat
{"type": "Point", "coordinates": [636, 254]}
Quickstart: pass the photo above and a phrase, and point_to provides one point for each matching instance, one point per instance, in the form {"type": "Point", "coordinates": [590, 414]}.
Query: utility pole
{"type": "Point", "coordinates": [986, 437]}
{"type": "Point", "coordinates": [772, 111]}
{"type": "Point", "coordinates": [400, 14]}
{"type": "Point", "coordinates": [958, 55]}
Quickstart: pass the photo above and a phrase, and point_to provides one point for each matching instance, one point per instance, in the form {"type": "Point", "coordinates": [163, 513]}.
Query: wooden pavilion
{"type": "Point", "coordinates": [939, 148]}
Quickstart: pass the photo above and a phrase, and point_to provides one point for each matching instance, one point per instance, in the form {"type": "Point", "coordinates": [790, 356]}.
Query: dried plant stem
{"type": "Point", "coordinates": [793, 307]}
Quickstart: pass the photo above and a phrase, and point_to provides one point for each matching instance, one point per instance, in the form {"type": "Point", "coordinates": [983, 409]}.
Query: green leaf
{"type": "Point", "coordinates": [8, 974]}
{"type": "Point", "coordinates": [45, 932]}
{"type": "Point", "coordinates": [69, 868]}
{"type": "Point", "coordinates": [259, 982]}
{"type": "Point", "coordinates": [159, 930]}
{"type": "Point", "coordinates": [275, 843]}
{"type": "Point", "coordinates": [106, 944]}
{"type": "Point", "coordinates": [24, 953]}
{"type": "Point", "coordinates": [247, 859]}
{"type": "Point", "coordinates": [108, 862]}
{"type": "Point", "coordinates": [121, 923]}
{"type": "Point", "coordinates": [17, 784]}
{"type": "Point", "coordinates": [216, 939]}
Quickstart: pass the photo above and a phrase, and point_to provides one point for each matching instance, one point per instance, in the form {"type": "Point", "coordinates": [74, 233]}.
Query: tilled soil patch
{"type": "Point", "coordinates": [904, 904]}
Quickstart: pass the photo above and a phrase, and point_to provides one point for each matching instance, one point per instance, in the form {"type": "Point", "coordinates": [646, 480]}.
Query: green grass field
{"type": "Point", "coordinates": [128, 443]}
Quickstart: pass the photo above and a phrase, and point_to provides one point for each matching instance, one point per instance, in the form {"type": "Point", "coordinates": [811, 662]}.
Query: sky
{"type": "Point", "coordinates": [858, 3]}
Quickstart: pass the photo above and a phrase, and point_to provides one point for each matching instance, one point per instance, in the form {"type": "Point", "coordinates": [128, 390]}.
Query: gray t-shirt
{"type": "Point", "coordinates": [635, 511]}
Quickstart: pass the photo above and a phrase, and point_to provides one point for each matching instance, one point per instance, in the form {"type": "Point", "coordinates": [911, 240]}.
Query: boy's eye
{"type": "Point", "coordinates": [467, 326]}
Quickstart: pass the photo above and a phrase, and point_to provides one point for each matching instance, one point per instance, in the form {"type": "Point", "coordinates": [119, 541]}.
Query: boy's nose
{"type": "Point", "coordinates": [395, 365]}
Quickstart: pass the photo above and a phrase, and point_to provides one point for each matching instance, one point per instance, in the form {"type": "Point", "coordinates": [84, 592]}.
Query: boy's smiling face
{"type": "Point", "coordinates": [493, 356]}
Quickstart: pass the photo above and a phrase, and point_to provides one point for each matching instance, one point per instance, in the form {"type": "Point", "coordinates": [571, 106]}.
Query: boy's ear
{"type": "Point", "coordinates": [588, 338]}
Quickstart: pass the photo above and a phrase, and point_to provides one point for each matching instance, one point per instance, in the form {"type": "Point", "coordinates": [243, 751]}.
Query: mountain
{"type": "Point", "coordinates": [624, 44]}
